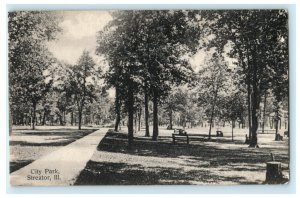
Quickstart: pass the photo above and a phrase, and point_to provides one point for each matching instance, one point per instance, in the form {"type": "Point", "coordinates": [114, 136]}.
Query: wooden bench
{"type": "Point", "coordinates": [174, 136]}
{"type": "Point", "coordinates": [181, 134]}
{"type": "Point", "coordinates": [219, 134]}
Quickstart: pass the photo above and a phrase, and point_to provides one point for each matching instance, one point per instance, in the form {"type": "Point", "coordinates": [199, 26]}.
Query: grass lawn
{"type": "Point", "coordinates": [27, 145]}
{"type": "Point", "coordinates": [219, 161]}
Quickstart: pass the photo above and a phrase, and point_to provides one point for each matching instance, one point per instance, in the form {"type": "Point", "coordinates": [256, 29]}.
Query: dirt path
{"type": "Point", "coordinates": [60, 167]}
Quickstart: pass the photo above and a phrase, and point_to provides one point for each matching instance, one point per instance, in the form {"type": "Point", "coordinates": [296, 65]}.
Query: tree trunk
{"type": "Point", "coordinates": [72, 118]}
{"type": "Point", "coordinates": [232, 125]}
{"type": "Point", "coordinates": [147, 133]}
{"type": "Point", "coordinates": [130, 105]}
{"type": "Point", "coordinates": [264, 112]}
{"type": "Point", "coordinates": [61, 119]}
{"type": "Point", "coordinates": [135, 122]}
{"type": "Point", "coordinates": [270, 122]}
{"type": "Point", "coordinates": [118, 118]}
{"type": "Point", "coordinates": [276, 125]}
{"type": "Point", "coordinates": [171, 119]}
{"type": "Point", "coordinates": [22, 119]}
{"type": "Point", "coordinates": [255, 105]}
{"type": "Point", "coordinates": [211, 120]}
{"type": "Point", "coordinates": [249, 108]}
{"type": "Point", "coordinates": [118, 110]}
{"type": "Point", "coordinates": [79, 117]}
{"type": "Point", "coordinates": [155, 116]}
{"type": "Point", "coordinates": [64, 114]}
{"type": "Point", "coordinates": [253, 140]}
{"type": "Point", "coordinates": [10, 120]}
{"type": "Point", "coordinates": [33, 115]}
{"type": "Point", "coordinates": [139, 118]}
{"type": "Point", "coordinates": [40, 118]}
{"type": "Point", "coordinates": [279, 119]}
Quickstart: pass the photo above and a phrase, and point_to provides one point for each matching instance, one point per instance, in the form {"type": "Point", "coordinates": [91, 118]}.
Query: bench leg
{"type": "Point", "coordinates": [187, 140]}
{"type": "Point", "coordinates": [173, 140]}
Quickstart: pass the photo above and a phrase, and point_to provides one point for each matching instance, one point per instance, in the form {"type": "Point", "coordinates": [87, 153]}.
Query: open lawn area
{"type": "Point", "coordinates": [219, 161]}
{"type": "Point", "coordinates": [27, 145]}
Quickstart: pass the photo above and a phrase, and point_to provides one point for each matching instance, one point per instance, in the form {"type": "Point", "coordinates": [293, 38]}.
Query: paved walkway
{"type": "Point", "coordinates": [60, 167]}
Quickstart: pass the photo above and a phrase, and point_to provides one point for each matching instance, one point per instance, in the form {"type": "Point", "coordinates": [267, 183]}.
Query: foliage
{"type": "Point", "coordinates": [28, 58]}
{"type": "Point", "coordinates": [259, 43]}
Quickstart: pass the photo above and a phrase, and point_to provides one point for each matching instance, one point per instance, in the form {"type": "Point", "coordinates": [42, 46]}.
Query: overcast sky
{"type": "Point", "coordinates": [79, 32]}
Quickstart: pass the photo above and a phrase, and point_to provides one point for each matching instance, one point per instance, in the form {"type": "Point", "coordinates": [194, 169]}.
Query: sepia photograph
{"type": "Point", "coordinates": [148, 97]}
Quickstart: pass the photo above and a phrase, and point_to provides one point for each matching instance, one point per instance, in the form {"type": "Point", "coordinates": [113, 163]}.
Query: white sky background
{"type": "Point", "coordinates": [79, 32]}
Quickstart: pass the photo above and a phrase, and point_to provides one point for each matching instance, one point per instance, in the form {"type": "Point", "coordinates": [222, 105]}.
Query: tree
{"type": "Point", "coordinates": [28, 56]}
{"type": "Point", "coordinates": [166, 38]}
{"type": "Point", "coordinates": [212, 87]}
{"type": "Point", "coordinates": [118, 44]}
{"type": "Point", "coordinates": [81, 82]}
{"type": "Point", "coordinates": [175, 101]}
{"type": "Point", "coordinates": [118, 105]}
{"type": "Point", "coordinates": [146, 49]}
{"type": "Point", "coordinates": [255, 35]}
{"type": "Point", "coordinates": [233, 106]}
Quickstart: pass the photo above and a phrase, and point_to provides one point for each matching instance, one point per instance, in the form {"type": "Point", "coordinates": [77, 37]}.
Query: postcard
{"type": "Point", "coordinates": [148, 97]}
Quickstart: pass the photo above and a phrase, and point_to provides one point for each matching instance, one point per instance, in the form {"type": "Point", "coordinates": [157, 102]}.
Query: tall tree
{"type": "Point", "coordinates": [118, 44]}
{"type": "Point", "coordinates": [166, 38]}
{"type": "Point", "coordinates": [118, 105]}
{"type": "Point", "coordinates": [82, 82]}
{"type": "Point", "coordinates": [212, 85]}
{"type": "Point", "coordinates": [176, 101]}
{"type": "Point", "coordinates": [28, 56]}
{"type": "Point", "coordinates": [255, 35]}
{"type": "Point", "coordinates": [147, 48]}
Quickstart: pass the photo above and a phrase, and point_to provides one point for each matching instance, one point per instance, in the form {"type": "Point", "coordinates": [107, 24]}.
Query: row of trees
{"type": "Point", "coordinates": [29, 58]}
{"type": "Point", "coordinates": [145, 51]}
{"type": "Point", "coordinates": [40, 84]}
{"type": "Point", "coordinates": [260, 44]}
{"type": "Point", "coordinates": [148, 53]}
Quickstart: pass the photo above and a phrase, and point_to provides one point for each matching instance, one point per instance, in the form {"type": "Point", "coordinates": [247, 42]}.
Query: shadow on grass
{"type": "Point", "coordinates": [117, 142]}
{"type": "Point", "coordinates": [103, 173]}
{"type": "Point", "coordinates": [190, 159]}
{"type": "Point", "coordinates": [16, 165]}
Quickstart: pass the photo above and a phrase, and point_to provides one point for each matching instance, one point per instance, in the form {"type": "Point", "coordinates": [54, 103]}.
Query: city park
{"type": "Point", "coordinates": [148, 115]}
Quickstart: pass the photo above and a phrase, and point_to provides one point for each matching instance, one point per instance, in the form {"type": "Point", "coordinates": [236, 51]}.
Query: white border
{"type": "Point", "coordinates": [108, 4]}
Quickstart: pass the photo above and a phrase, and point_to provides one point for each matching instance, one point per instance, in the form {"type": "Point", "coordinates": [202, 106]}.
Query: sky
{"type": "Point", "coordinates": [79, 32]}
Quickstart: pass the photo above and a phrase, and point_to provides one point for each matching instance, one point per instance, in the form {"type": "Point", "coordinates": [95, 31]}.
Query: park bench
{"type": "Point", "coordinates": [180, 134]}
{"type": "Point", "coordinates": [219, 133]}
{"type": "Point", "coordinates": [204, 136]}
